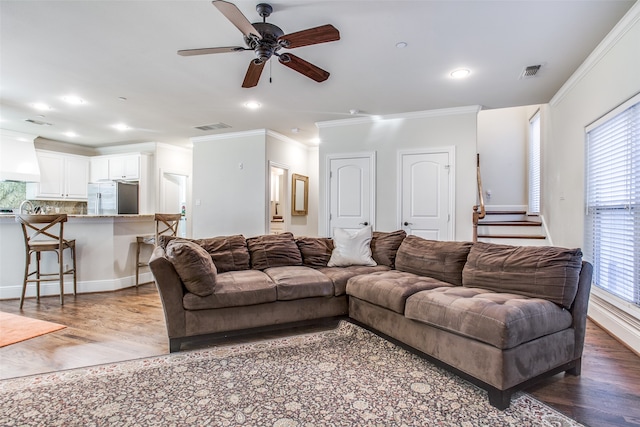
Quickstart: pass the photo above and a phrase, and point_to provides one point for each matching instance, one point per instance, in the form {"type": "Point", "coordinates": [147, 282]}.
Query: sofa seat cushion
{"type": "Point", "coordinates": [340, 275]}
{"type": "Point", "coordinates": [235, 289]}
{"type": "Point", "coordinates": [502, 320]}
{"type": "Point", "coordinates": [296, 282]}
{"type": "Point", "coordinates": [390, 289]}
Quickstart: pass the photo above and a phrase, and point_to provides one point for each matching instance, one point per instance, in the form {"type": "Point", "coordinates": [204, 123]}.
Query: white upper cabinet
{"type": "Point", "coordinates": [117, 167]}
{"type": "Point", "coordinates": [62, 177]}
{"type": "Point", "coordinates": [124, 167]}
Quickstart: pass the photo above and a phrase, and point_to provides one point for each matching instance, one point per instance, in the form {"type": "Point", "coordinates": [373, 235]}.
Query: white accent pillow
{"type": "Point", "coordinates": [351, 248]}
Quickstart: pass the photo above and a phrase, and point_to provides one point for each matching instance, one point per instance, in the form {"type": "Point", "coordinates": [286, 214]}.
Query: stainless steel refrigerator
{"type": "Point", "coordinates": [112, 198]}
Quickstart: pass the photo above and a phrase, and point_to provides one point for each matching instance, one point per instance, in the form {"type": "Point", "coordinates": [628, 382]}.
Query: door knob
{"type": "Point", "coordinates": [406, 224]}
{"type": "Point", "coordinates": [364, 223]}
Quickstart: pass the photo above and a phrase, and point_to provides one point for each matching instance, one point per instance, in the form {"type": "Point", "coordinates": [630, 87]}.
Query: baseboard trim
{"type": "Point", "coordinates": [615, 322]}
{"type": "Point", "coordinates": [53, 288]}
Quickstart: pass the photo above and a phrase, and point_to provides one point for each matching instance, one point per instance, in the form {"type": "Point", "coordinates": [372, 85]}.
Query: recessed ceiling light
{"type": "Point", "coordinates": [70, 134]}
{"type": "Point", "coordinates": [460, 73]}
{"type": "Point", "coordinates": [72, 99]}
{"type": "Point", "coordinates": [354, 111]}
{"type": "Point", "coordinates": [121, 127]}
{"type": "Point", "coordinates": [401, 45]}
{"type": "Point", "coordinates": [252, 105]}
{"type": "Point", "coordinates": [295, 130]}
{"type": "Point", "coordinates": [122, 98]}
{"type": "Point", "coordinates": [41, 106]}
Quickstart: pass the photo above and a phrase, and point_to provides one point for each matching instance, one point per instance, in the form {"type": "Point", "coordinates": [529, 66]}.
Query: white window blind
{"type": "Point", "coordinates": [612, 226]}
{"type": "Point", "coordinates": [534, 164]}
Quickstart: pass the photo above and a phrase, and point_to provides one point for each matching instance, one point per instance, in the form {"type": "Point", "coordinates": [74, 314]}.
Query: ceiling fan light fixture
{"type": "Point", "coordinates": [460, 73]}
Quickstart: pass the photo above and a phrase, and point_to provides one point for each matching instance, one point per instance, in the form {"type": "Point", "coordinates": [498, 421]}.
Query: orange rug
{"type": "Point", "coordinates": [14, 328]}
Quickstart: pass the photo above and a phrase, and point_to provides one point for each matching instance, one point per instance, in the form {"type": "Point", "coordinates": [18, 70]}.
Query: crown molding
{"type": "Point", "coordinates": [472, 109]}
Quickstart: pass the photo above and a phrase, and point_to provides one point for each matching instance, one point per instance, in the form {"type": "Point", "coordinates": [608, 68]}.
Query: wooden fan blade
{"type": "Point", "coordinates": [233, 14]}
{"type": "Point", "coordinates": [208, 50]}
{"type": "Point", "coordinates": [253, 73]}
{"type": "Point", "coordinates": [322, 34]}
{"type": "Point", "coordinates": [303, 67]}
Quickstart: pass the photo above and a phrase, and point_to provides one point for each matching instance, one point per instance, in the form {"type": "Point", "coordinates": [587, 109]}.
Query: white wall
{"type": "Point", "coordinates": [502, 145]}
{"type": "Point", "coordinates": [428, 129]}
{"type": "Point", "coordinates": [606, 79]}
{"type": "Point", "coordinates": [229, 184]}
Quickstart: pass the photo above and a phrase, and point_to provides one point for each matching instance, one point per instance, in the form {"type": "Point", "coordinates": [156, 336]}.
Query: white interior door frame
{"type": "Point", "coordinates": [371, 155]}
{"type": "Point", "coordinates": [267, 196]}
{"type": "Point", "coordinates": [451, 151]}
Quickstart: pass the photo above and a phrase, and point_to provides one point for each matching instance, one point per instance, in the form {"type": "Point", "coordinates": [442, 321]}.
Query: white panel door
{"type": "Point", "coordinates": [351, 193]}
{"type": "Point", "coordinates": [426, 193]}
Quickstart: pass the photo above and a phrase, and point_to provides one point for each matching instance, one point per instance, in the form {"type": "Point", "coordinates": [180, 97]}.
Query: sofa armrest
{"type": "Point", "coordinates": [580, 305]}
{"type": "Point", "coordinates": [171, 291]}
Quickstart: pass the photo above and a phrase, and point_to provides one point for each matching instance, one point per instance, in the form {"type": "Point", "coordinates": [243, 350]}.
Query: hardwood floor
{"type": "Point", "coordinates": [129, 324]}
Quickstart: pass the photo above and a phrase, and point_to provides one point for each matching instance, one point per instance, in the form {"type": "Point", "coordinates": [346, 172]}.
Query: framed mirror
{"type": "Point", "coordinates": [299, 194]}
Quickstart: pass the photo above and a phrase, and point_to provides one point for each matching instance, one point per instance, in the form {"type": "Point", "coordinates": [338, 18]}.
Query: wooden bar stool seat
{"type": "Point", "coordinates": [167, 225]}
{"type": "Point", "coordinates": [45, 233]}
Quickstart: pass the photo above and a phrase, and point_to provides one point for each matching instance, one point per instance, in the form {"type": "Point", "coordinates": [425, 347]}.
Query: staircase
{"type": "Point", "coordinates": [511, 228]}
{"type": "Point", "coordinates": [505, 227]}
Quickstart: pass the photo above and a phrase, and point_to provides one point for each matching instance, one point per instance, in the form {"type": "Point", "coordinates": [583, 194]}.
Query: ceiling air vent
{"type": "Point", "coordinates": [38, 122]}
{"type": "Point", "coordinates": [530, 71]}
{"type": "Point", "coordinates": [213, 126]}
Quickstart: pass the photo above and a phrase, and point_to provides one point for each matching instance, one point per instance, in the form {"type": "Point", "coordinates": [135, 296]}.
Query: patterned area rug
{"type": "Point", "coordinates": [344, 377]}
{"type": "Point", "coordinates": [14, 328]}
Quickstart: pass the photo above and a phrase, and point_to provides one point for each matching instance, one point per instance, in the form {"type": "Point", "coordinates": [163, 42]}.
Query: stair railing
{"type": "Point", "coordinates": [479, 211]}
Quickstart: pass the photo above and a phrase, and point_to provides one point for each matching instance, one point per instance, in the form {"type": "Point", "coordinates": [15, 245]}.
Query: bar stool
{"type": "Point", "coordinates": [166, 224]}
{"type": "Point", "coordinates": [45, 233]}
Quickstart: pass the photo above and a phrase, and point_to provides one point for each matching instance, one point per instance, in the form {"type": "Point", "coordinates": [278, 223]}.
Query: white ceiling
{"type": "Point", "coordinates": [103, 50]}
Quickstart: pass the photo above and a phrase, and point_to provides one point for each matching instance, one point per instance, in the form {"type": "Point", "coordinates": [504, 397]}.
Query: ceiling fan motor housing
{"type": "Point", "coordinates": [268, 45]}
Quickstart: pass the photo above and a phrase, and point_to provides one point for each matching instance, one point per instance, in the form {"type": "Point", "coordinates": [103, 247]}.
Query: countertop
{"type": "Point", "coordinates": [137, 216]}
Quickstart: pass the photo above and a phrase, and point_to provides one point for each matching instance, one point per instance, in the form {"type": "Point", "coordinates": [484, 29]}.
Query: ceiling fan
{"type": "Point", "coordinates": [266, 40]}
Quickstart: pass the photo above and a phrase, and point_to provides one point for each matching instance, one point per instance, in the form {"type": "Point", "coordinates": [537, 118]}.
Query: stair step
{"type": "Point", "coordinates": [510, 236]}
{"type": "Point", "coordinates": [506, 212]}
{"type": "Point", "coordinates": [510, 223]}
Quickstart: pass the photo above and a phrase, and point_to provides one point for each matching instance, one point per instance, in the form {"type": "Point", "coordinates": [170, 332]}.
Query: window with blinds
{"type": "Point", "coordinates": [534, 164]}
{"type": "Point", "coordinates": [612, 226]}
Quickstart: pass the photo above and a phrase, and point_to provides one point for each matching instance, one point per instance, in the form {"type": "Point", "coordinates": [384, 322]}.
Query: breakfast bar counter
{"type": "Point", "coordinates": [106, 254]}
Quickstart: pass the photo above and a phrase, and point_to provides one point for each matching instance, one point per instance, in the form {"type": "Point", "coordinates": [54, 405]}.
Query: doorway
{"type": "Point", "coordinates": [277, 206]}
{"type": "Point", "coordinates": [426, 188]}
{"type": "Point", "coordinates": [173, 198]}
{"type": "Point", "coordinates": [351, 191]}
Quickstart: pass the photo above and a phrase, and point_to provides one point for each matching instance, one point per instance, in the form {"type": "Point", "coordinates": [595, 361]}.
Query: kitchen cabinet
{"type": "Point", "coordinates": [116, 167]}
{"type": "Point", "coordinates": [62, 177]}
{"type": "Point", "coordinates": [124, 167]}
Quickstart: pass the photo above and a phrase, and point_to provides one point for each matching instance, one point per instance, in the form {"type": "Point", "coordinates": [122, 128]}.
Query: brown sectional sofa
{"type": "Point", "coordinates": [500, 316]}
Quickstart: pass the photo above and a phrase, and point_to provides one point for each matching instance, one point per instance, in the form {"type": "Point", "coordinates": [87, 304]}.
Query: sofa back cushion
{"type": "Point", "coordinates": [229, 253]}
{"type": "Point", "coordinates": [440, 260]}
{"type": "Point", "coordinates": [544, 272]}
{"type": "Point", "coordinates": [194, 266]}
{"type": "Point", "coordinates": [315, 251]}
{"type": "Point", "coordinates": [384, 246]}
{"type": "Point", "coordinates": [273, 250]}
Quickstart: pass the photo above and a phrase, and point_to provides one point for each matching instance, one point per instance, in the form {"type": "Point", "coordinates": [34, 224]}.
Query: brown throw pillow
{"type": "Point", "coordinates": [547, 272]}
{"type": "Point", "coordinates": [273, 250]}
{"type": "Point", "coordinates": [384, 246]}
{"type": "Point", "coordinates": [316, 251]}
{"type": "Point", "coordinates": [194, 266]}
{"type": "Point", "coordinates": [440, 260]}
